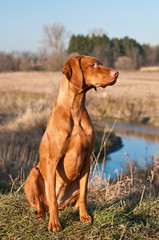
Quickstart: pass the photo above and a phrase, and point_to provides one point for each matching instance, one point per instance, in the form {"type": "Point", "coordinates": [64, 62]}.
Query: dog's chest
{"type": "Point", "coordinates": [83, 137]}
{"type": "Point", "coordinates": [78, 151]}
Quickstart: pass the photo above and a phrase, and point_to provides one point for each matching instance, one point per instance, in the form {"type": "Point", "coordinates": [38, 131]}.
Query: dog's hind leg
{"type": "Point", "coordinates": [69, 194]}
{"type": "Point", "coordinates": [35, 192]}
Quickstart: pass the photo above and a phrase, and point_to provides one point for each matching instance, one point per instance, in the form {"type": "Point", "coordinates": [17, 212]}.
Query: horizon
{"type": "Point", "coordinates": [22, 22]}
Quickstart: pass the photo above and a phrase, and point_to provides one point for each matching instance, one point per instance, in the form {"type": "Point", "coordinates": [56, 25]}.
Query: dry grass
{"type": "Point", "coordinates": [27, 97]}
{"type": "Point", "coordinates": [134, 84]}
{"type": "Point", "coordinates": [150, 69]}
{"type": "Point", "coordinates": [39, 82]}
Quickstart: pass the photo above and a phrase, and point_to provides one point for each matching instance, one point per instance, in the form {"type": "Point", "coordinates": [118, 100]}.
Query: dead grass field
{"type": "Point", "coordinates": [133, 84]}
{"type": "Point", "coordinates": [37, 82]}
{"type": "Point", "coordinates": [134, 98]}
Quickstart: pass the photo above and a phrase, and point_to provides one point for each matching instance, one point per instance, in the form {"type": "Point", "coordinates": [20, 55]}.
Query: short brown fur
{"type": "Point", "coordinates": [61, 175]}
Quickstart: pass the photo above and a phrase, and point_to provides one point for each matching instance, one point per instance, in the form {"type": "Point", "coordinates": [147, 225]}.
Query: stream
{"type": "Point", "coordinates": [140, 144]}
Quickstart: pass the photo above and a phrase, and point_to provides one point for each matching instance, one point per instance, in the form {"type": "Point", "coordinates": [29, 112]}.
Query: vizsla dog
{"type": "Point", "coordinates": [61, 175]}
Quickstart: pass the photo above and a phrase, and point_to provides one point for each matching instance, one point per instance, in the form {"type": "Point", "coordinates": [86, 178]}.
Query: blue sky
{"type": "Point", "coordinates": [22, 21]}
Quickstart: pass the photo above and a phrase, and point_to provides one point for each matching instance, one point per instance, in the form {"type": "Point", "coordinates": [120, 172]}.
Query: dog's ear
{"type": "Point", "coordinates": [73, 72]}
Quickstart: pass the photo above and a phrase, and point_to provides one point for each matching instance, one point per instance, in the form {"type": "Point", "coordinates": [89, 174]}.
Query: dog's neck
{"type": "Point", "coordinates": [71, 98]}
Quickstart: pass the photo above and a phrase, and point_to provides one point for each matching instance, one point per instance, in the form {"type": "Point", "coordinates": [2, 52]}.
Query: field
{"type": "Point", "coordinates": [134, 98]}
{"type": "Point", "coordinates": [123, 208]}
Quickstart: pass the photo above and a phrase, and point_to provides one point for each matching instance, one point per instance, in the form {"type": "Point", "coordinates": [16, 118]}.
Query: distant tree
{"type": "Point", "coordinates": [54, 39]}
{"type": "Point", "coordinates": [27, 61]}
{"type": "Point", "coordinates": [116, 48]}
{"type": "Point", "coordinates": [157, 55]}
{"type": "Point", "coordinates": [135, 57]}
{"type": "Point", "coordinates": [6, 62]}
{"type": "Point", "coordinates": [54, 46]}
{"type": "Point", "coordinates": [18, 61]}
{"type": "Point", "coordinates": [132, 49]}
{"type": "Point", "coordinates": [16, 58]}
{"type": "Point", "coordinates": [85, 45]}
{"type": "Point", "coordinates": [150, 55]}
{"type": "Point", "coordinates": [81, 44]}
{"type": "Point", "coordinates": [96, 32]}
{"type": "Point", "coordinates": [106, 49]}
{"type": "Point", "coordinates": [123, 63]}
{"type": "Point", "coordinates": [104, 54]}
{"type": "Point", "coordinates": [100, 40]}
{"type": "Point", "coordinates": [126, 45]}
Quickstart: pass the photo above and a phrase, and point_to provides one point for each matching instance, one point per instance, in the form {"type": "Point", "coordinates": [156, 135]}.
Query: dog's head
{"type": "Point", "coordinates": [86, 72]}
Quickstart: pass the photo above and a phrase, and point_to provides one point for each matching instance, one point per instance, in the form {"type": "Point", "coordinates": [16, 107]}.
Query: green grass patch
{"type": "Point", "coordinates": [128, 219]}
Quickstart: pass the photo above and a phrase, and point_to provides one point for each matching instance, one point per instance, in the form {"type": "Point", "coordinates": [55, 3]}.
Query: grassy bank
{"type": "Point", "coordinates": [121, 210]}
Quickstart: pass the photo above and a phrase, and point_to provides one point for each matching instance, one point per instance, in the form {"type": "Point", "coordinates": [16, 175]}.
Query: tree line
{"type": "Point", "coordinates": [124, 54]}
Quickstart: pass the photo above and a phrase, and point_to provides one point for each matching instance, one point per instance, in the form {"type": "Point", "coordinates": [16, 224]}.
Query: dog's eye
{"type": "Point", "coordinates": [91, 65]}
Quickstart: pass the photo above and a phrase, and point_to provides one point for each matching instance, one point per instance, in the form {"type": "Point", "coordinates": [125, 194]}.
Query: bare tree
{"type": "Point", "coordinates": [28, 61]}
{"type": "Point", "coordinates": [123, 63]}
{"type": "Point", "coordinates": [96, 32]}
{"type": "Point", "coordinates": [54, 49]}
{"type": "Point", "coordinates": [103, 53]}
{"type": "Point", "coordinates": [55, 38]}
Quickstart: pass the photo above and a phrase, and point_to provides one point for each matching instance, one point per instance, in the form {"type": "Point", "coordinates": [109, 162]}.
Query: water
{"type": "Point", "coordinates": [139, 147]}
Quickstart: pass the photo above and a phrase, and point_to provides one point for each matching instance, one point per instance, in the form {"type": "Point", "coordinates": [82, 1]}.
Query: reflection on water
{"type": "Point", "coordinates": [136, 145]}
{"type": "Point", "coordinates": [140, 130]}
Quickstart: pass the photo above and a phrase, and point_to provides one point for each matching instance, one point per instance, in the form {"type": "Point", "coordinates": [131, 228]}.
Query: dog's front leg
{"type": "Point", "coordinates": [84, 217]}
{"type": "Point", "coordinates": [54, 224]}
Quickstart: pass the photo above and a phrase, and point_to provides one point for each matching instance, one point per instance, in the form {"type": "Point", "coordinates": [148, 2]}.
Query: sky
{"type": "Point", "coordinates": [22, 21]}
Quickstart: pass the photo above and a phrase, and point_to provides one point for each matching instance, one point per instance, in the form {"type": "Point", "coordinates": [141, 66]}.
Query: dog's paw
{"type": "Point", "coordinates": [54, 226]}
{"type": "Point", "coordinates": [40, 215]}
{"type": "Point", "coordinates": [86, 218]}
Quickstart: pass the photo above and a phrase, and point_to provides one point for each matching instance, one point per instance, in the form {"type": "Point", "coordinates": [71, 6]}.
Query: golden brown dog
{"type": "Point", "coordinates": [61, 175]}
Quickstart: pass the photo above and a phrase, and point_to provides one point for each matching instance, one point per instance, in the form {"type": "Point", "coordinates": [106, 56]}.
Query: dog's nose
{"type": "Point", "coordinates": [114, 73]}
